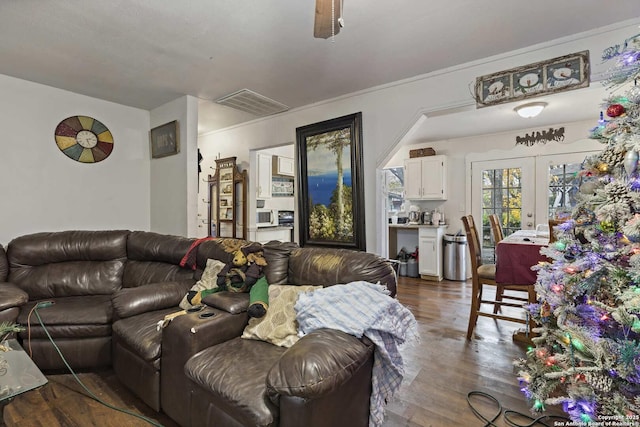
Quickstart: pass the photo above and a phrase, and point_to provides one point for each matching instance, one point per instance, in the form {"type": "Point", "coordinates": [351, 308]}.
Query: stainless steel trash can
{"type": "Point", "coordinates": [402, 271]}
{"type": "Point", "coordinates": [412, 268]}
{"type": "Point", "coordinates": [455, 256]}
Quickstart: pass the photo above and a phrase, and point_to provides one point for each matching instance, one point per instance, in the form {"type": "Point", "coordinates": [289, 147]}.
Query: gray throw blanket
{"type": "Point", "coordinates": [362, 308]}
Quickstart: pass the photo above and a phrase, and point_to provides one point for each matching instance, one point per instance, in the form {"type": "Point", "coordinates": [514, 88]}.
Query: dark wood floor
{"type": "Point", "coordinates": [444, 367]}
{"type": "Point", "coordinates": [61, 403]}
{"type": "Point", "coordinates": [440, 370]}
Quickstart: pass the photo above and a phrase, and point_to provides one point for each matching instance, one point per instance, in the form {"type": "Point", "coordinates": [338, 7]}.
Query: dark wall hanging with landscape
{"type": "Point", "coordinates": [331, 199]}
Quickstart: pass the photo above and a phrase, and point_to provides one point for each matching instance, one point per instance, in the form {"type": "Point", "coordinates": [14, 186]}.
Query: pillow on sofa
{"type": "Point", "coordinates": [207, 281]}
{"type": "Point", "coordinates": [279, 325]}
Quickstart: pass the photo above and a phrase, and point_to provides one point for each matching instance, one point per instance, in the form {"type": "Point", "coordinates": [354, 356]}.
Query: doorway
{"type": "Point", "coordinates": [272, 190]}
{"type": "Point", "coordinates": [502, 187]}
{"type": "Point", "coordinates": [523, 192]}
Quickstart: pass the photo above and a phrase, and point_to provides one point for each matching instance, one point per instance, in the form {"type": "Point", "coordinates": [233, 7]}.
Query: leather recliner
{"type": "Point", "coordinates": [153, 284]}
{"type": "Point", "coordinates": [77, 271]}
{"type": "Point", "coordinates": [11, 296]}
{"type": "Point", "coordinates": [322, 380]}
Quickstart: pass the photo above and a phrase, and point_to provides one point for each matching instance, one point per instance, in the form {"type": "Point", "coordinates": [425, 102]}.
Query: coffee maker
{"type": "Point", "coordinates": [426, 217]}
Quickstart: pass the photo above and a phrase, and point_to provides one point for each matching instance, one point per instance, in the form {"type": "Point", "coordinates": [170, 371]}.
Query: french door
{"type": "Point", "coordinates": [558, 183]}
{"type": "Point", "coordinates": [523, 192]}
{"type": "Point", "coordinates": [505, 188]}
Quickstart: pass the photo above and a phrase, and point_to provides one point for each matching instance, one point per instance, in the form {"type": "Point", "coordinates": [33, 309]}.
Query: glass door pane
{"type": "Point", "coordinates": [505, 189]}
{"type": "Point", "coordinates": [563, 186]}
{"type": "Point", "coordinates": [558, 184]}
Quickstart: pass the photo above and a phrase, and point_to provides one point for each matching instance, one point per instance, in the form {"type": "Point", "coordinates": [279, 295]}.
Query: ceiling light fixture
{"type": "Point", "coordinates": [530, 110]}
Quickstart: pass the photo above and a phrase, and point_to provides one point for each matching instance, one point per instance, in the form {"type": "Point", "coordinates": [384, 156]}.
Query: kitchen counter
{"type": "Point", "coordinates": [275, 227]}
{"type": "Point", "coordinates": [277, 232]}
{"type": "Point", "coordinates": [405, 234]}
{"type": "Point", "coordinates": [410, 226]}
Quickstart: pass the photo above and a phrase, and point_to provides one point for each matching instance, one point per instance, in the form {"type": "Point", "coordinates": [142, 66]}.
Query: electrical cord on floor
{"type": "Point", "coordinates": [509, 415]}
{"type": "Point", "coordinates": [29, 327]}
{"type": "Point", "coordinates": [90, 393]}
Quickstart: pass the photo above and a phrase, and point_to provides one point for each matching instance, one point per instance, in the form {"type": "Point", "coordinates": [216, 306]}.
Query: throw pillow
{"type": "Point", "coordinates": [279, 326]}
{"type": "Point", "coordinates": [207, 281]}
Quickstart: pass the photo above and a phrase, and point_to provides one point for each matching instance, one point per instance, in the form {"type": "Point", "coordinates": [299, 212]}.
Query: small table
{"type": "Point", "coordinates": [516, 254]}
{"type": "Point", "coordinates": [18, 373]}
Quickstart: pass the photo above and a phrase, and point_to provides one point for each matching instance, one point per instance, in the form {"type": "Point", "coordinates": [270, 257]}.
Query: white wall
{"type": "Point", "coordinates": [174, 180]}
{"type": "Point", "coordinates": [389, 112]}
{"type": "Point", "coordinates": [41, 189]}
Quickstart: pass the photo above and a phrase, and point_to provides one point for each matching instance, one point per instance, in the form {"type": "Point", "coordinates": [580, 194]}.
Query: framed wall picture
{"type": "Point", "coordinates": [541, 78]}
{"type": "Point", "coordinates": [495, 88]}
{"type": "Point", "coordinates": [331, 200]}
{"type": "Point", "coordinates": [566, 72]}
{"type": "Point", "coordinates": [281, 187]}
{"type": "Point", "coordinates": [528, 82]}
{"type": "Point", "coordinates": [164, 140]}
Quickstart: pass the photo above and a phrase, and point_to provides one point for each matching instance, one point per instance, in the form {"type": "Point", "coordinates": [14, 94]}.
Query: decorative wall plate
{"type": "Point", "coordinates": [84, 139]}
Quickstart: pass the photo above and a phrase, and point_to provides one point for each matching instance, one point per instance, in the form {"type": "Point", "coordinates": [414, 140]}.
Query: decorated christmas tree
{"type": "Point", "coordinates": [587, 349]}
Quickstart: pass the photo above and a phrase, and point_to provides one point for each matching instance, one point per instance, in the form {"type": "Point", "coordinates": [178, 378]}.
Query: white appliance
{"type": "Point", "coordinates": [414, 215]}
{"type": "Point", "coordinates": [266, 217]}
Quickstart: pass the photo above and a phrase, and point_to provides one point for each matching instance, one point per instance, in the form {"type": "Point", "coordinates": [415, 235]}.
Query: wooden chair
{"type": "Point", "coordinates": [498, 235]}
{"type": "Point", "coordinates": [496, 228]}
{"type": "Point", "coordinates": [485, 275]}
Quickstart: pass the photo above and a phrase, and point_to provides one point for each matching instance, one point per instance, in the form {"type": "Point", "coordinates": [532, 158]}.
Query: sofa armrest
{"type": "Point", "coordinates": [11, 296]}
{"type": "Point", "coordinates": [129, 302]}
{"type": "Point", "coordinates": [185, 336]}
{"type": "Point", "coordinates": [318, 364]}
{"type": "Point", "coordinates": [231, 302]}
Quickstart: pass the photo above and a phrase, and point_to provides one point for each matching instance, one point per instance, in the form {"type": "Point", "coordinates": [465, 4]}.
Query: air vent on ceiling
{"type": "Point", "coordinates": [252, 102]}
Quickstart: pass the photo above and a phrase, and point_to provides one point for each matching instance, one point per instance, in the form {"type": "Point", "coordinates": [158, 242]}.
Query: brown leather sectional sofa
{"type": "Point", "coordinates": [110, 289]}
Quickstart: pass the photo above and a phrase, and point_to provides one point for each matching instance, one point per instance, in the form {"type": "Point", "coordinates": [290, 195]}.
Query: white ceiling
{"type": "Point", "coordinates": [571, 106]}
{"type": "Point", "coordinates": [144, 53]}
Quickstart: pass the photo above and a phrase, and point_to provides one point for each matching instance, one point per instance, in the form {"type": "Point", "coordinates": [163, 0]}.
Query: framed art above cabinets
{"type": "Point", "coordinates": [281, 187]}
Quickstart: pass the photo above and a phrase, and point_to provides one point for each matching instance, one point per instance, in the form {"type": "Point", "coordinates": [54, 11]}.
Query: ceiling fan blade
{"type": "Point", "coordinates": [322, 28]}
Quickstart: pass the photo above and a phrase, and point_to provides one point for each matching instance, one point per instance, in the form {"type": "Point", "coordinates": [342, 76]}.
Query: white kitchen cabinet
{"type": "Point", "coordinates": [430, 265]}
{"type": "Point", "coordinates": [263, 176]}
{"type": "Point", "coordinates": [425, 178]}
{"type": "Point", "coordinates": [283, 166]}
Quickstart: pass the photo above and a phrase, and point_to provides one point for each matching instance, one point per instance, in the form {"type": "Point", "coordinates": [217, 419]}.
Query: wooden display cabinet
{"type": "Point", "coordinates": [228, 200]}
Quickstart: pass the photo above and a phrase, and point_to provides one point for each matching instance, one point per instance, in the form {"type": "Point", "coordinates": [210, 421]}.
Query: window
{"type": "Point", "coordinates": [564, 184]}
{"type": "Point", "coordinates": [394, 180]}
{"type": "Point", "coordinates": [557, 184]}
{"type": "Point", "coordinates": [501, 195]}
